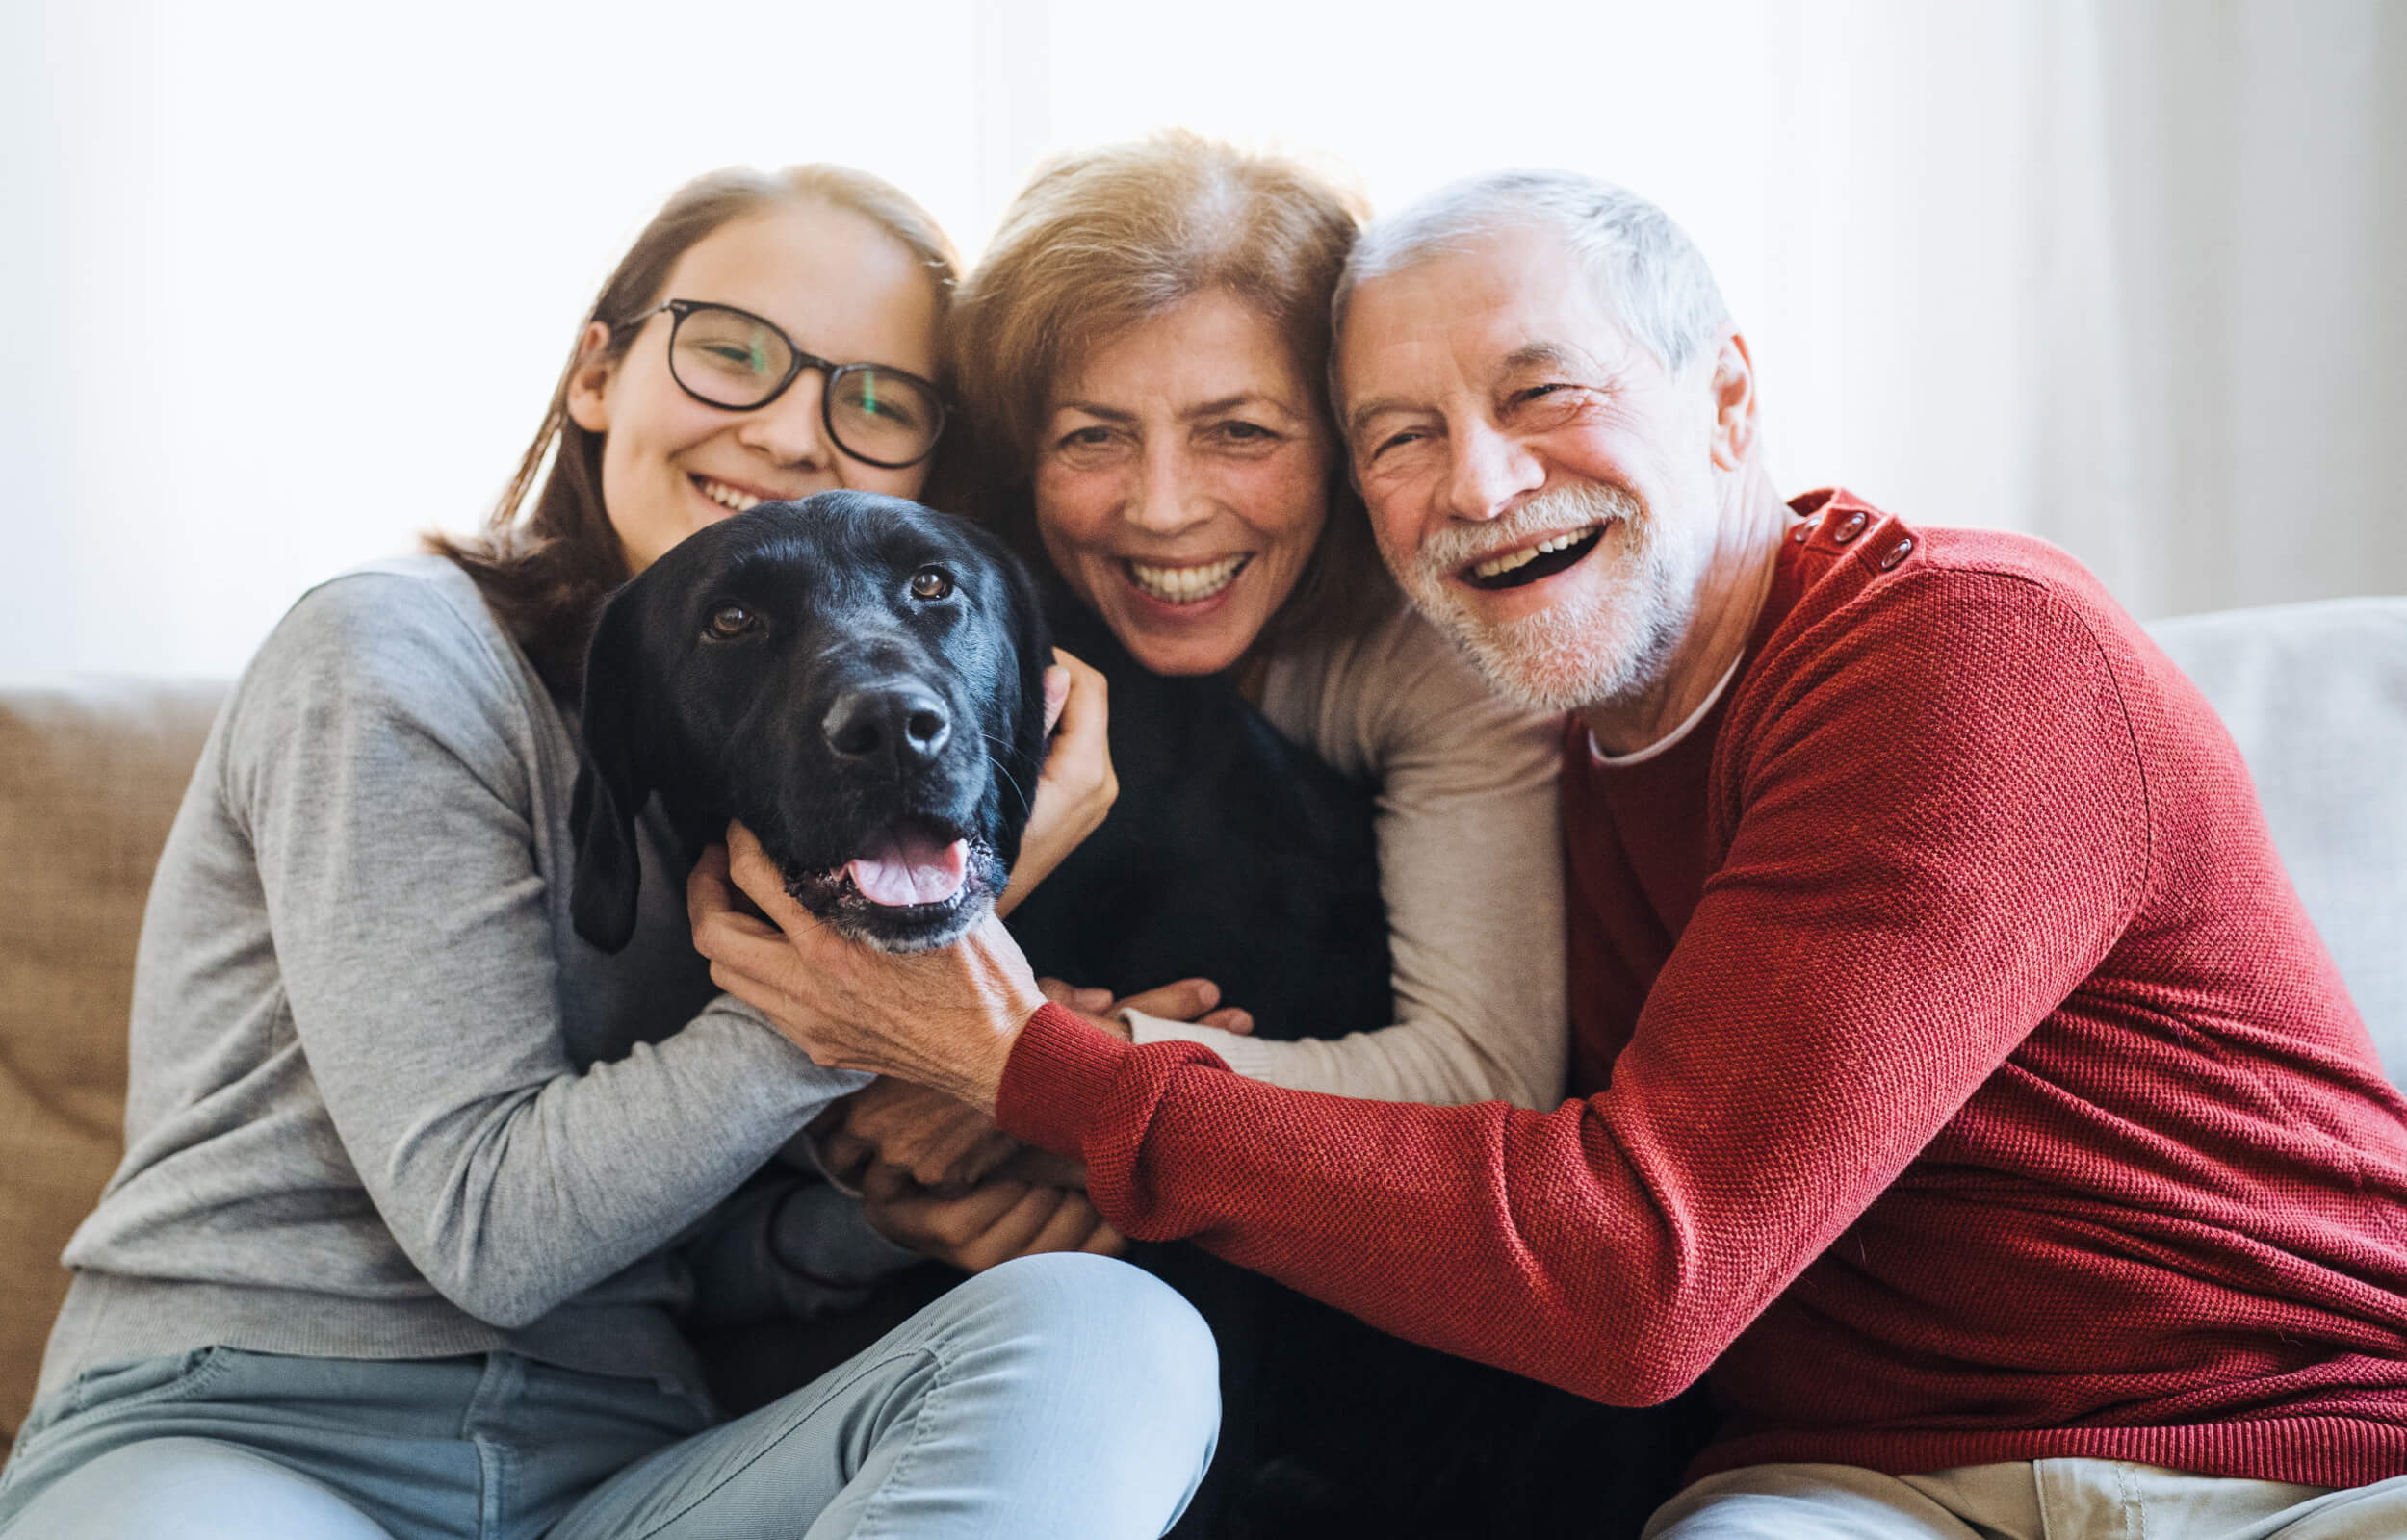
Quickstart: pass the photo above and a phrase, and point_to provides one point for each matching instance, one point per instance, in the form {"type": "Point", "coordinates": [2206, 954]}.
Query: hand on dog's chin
{"type": "Point", "coordinates": [945, 1018]}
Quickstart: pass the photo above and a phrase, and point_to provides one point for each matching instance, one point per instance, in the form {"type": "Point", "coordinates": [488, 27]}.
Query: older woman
{"type": "Point", "coordinates": [1142, 352]}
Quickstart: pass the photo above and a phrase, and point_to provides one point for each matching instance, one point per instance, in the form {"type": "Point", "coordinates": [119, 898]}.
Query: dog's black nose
{"type": "Point", "coordinates": [902, 727]}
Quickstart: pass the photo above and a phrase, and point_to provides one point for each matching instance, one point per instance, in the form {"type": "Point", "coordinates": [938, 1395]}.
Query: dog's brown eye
{"type": "Point", "coordinates": [930, 582]}
{"type": "Point", "coordinates": [732, 621]}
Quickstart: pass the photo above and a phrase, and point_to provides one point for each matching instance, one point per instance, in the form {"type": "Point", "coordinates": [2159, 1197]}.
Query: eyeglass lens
{"type": "Point", "coordinates": [738, 362]}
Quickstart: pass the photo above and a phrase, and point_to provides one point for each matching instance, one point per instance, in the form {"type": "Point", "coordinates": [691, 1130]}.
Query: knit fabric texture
{"type": "Point", "coordinates": [1965, 1080]}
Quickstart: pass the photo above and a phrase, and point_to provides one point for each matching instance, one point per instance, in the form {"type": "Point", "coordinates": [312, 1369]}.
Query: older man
{"type": "Point", "coordinates": [1965, 1085]}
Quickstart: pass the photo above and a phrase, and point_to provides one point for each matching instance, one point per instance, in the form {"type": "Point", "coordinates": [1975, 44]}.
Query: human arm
{"type": "Point", "coordinates": [1915, 879]}
{"type": "Point", "coordinates": [943, 1143]}
{"type": "Point", "coordinates": [1470, 870]}
{"type": "Point", "coordinates": [395, 787]}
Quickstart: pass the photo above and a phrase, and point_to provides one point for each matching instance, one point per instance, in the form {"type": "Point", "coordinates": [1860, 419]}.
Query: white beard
{"type": "Point", "coordinates": [1605, 642]}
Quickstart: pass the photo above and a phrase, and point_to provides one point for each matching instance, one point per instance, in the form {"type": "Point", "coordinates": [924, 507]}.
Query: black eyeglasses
{"type": "Point", "coordinates": [738, 362]}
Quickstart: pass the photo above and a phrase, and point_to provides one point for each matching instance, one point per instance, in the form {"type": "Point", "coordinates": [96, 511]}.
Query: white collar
{"type": "Point", "coordinates": [1664, 745]}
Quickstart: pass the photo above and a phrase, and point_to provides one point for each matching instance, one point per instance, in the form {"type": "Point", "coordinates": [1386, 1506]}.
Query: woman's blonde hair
{"type": "Point", "coordinates": [544, 567]}
{"type": "Point", "coordinates": [1103, 240]}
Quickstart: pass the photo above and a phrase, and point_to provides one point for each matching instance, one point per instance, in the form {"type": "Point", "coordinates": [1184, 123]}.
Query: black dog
{"type": "Point", "coordinates": [859, 680]}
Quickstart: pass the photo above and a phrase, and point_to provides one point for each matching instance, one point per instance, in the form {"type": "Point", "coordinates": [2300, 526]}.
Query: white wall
{"type": "Point", "coordinates": [288, 282]}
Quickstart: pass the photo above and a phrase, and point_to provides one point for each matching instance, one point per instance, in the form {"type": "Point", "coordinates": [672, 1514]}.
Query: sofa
{"type": "Point", "coordinates": [91, 775]}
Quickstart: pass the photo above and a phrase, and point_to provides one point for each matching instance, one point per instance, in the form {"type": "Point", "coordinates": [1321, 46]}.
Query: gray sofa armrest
{"type": "Point", "coordinates": [2315, 696]}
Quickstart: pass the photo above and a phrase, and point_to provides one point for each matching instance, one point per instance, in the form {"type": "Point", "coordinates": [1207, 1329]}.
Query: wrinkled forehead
{"type": "Point", "coordinates": [1465, 319]}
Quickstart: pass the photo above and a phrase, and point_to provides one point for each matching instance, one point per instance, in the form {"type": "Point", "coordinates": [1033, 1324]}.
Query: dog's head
{"type": "Point", "coordinates": [858, 679]}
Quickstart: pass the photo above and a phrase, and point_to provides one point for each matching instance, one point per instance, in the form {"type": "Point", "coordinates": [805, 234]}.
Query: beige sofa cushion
{"type": "Point", "coordinates": [90, 778]}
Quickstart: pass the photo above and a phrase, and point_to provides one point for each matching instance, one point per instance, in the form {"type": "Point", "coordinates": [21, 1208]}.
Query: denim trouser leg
{"type": "Point", "coordinates": [1053, 1397]}
{"type": "Point", "coordinates": [1058, 1396]}
{"type": "Point", "coordinates": [192, 1489]}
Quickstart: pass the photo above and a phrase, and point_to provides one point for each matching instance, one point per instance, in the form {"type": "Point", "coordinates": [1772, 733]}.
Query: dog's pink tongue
{"type": "Point", "coordinates": [905, 869]}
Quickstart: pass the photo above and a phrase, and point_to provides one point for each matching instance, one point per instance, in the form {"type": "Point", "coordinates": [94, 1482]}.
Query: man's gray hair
{"type": "Point", "coordinates": [1651, 275]}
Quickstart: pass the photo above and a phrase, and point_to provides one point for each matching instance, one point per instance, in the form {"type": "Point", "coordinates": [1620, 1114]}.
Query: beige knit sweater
{"type": "Point", "coordinates": [1470, 865]}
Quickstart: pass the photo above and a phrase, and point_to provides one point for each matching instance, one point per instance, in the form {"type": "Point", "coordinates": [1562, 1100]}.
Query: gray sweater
{"type": "Point", "coordinates": [384, 1102]}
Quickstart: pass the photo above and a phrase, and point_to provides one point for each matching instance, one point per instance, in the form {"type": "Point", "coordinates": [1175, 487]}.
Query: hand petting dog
{"type": "Point", "coordinates": [948, 1146]}
{"type": "Point", "coordinates": [1003, 1212]}
{"type": "Point", "coordinates": [773, 963]}
{"type": "Point", "coordinates": [945, 1018]}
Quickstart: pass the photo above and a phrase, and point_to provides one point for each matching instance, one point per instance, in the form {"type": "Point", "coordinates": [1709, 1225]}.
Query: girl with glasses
{"type": "Point", "coordinates": [421, 1194]}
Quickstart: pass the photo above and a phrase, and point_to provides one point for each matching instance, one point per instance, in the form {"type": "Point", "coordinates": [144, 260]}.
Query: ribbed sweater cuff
{"type": "Point", "coordinates": [1254, 1058]}
{"type": "Point", "coordinates": [1054, 1082]}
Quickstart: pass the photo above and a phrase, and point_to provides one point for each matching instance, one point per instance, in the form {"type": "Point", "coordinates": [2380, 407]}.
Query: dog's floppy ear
{"type": "Point", "coordinates": [1025, 730]}
{"type": "Point", "coordinates": [613, 780]}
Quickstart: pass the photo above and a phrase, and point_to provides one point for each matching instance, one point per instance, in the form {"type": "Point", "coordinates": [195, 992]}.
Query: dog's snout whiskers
{"type": "Point", "coordinates": [1004, 770]}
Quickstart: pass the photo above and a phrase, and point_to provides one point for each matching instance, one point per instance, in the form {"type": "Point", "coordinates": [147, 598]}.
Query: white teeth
{"type": "Point", "coordinates": [725, 496]}
{"type": "Point", "coordinates": [1184, 585]}
{"type": "Point", "coordinates": [1498, 566]}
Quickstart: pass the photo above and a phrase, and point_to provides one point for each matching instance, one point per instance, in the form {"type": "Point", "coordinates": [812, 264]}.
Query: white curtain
{"type": "Point", "coordinates": [2209, 276]}
{"type": "Point", "coordinates": [286, 282]}
{"type": "Point", "coordinates": [2242, 292]}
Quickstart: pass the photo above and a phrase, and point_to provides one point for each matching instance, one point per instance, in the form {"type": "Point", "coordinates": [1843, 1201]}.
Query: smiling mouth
{"type": "Point", "coordinates": [1512, 568]}
{"type": "Point", "coordinates": [1185, 585]}
{"type": "Point", "coordinates": [725, 496]}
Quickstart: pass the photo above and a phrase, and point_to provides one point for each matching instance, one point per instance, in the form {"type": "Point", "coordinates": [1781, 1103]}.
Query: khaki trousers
{"type": "Point", "coordinates": [2023, 1500]}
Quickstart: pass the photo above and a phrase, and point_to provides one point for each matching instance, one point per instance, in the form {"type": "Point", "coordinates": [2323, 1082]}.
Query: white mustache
{"type": "Point", "coordinates": [1561, 511]}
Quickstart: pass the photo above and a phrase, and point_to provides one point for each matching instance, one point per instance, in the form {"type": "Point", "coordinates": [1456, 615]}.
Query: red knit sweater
{"type": "Point", "coordinates": [1968, 1083]}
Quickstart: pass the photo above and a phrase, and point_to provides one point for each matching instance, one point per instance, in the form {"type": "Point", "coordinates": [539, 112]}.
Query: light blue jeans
{"type": "Point", "coordinates": [1054, 1397]}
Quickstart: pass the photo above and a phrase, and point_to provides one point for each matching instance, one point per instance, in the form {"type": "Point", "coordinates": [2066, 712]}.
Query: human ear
{"type": "Point", "coordinates": [589, 380]}
{"type": "Point", "coordinates": [1734, 402]}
